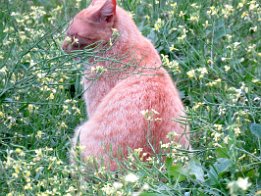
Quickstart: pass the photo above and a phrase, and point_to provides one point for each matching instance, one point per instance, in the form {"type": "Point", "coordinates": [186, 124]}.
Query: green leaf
{"type": "Point", "coordinates": [256, 129]}
{"type": "Point", "coordinates": [168, 162]}
{"type": "Point", "coordinates": [222, 152]}
{"type": "Point", "coordinates": [195, 168]}
{"type": "Point", "coordinates": [177, 172]}
{"type": "Point", "coordinates": [220, 166]}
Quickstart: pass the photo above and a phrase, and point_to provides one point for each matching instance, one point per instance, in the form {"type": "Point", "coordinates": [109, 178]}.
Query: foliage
{"type": "Point", "coordinates": [212, 50]}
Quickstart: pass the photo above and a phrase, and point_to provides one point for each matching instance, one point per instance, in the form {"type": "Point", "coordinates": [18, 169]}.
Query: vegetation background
{"type": "Point", "coordinates": [212, 50]}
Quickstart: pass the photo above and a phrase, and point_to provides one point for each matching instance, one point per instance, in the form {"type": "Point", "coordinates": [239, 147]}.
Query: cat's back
{"type": "Point", "coordinates": [123, 106]}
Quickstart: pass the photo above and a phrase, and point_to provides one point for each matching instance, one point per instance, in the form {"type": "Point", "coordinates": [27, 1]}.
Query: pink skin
{"type": "Point", "coordinates": [115, 100]}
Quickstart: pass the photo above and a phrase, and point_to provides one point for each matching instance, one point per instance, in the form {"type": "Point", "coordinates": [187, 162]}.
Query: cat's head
{"type": "Point", "coordinates": [90, 25]}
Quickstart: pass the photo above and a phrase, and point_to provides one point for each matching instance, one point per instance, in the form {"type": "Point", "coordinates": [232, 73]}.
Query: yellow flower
{"type": "Point", "coordinates": [30, 108]}
{"type": "Point", "coordinates": [194, 5]}
{"type": "Point", "coordinates": [226, 139]}
{"type": "Point", "coordinates": [28, 186]}
{"type": "Point", "coordinates": [206, 24]}
{"type": "Point", "coordinates": [191, 73]}
{"type": "Point", "coordinates": [172, 48]}
{"type": "Point", "coordinates": [51, 96]}
{"type": "Point", "coordinates": [20, 152]}
{"type": "Point", "coordinates": [39, 134]}
{"type": "Point", "coordinates": [181, 14]}
{"type": "Point", "coordinates": [159, 23]}
{"type": "Point", "coordinates": [227, 11]}
{"type": "Point", "coordinates": [212, 11]}
{"type": "Point", "coordinates": [237, 131]}
{"type": "Point", "coordinates": [194, 18]}
{"type": "Point", "coordinates": [203, 71]}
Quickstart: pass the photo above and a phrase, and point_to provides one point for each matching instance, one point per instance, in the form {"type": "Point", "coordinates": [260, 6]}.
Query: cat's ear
{"type": "Point", "coordinates": [107, 12]}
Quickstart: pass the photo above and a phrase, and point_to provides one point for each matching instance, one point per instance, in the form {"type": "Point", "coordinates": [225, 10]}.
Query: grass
{"type": "Point", "coordinates": [212, 50]}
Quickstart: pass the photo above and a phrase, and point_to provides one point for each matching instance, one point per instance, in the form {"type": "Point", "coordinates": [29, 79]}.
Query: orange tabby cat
{"type": "Point", "coordinates": [132, 82]}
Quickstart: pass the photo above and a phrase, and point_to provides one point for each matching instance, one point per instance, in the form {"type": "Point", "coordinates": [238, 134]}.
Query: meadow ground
{"type": "Point", "coordinates": [212, 50]}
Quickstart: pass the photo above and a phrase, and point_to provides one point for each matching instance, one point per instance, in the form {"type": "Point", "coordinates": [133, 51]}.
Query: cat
{"type": "Point", "coordinates": [134, 102]}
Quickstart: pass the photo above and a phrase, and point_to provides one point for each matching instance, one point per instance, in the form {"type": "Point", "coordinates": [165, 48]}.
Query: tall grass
{"type": "Point", "coordinates": [212, 50]}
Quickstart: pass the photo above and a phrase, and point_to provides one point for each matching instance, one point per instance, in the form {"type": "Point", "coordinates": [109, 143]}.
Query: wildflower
{"type": "Point", "coordinates": [227, 68]}
{"type": "Point", "coordinates": [28, 186]}
{"type": "Point", "coordinates": [194, 5]}
{"type": "Point", "coordinates": [241, 183]}
{"type": "Point", "coordinates": [131, 178]}
{"type": "Point", "coordinates": [183, 33]}
{"type": "Point", "coordinates": [221, 110]}
{"type": "Point", "coordinates": [226, 139]}
{"type": "Point", "coordinates": [77, 110]}
{"type": "Point", "coordinates": [115, 32]}
{"type": "Point", "coordinates": [171, 135]}
{"type": "Point", "coordinates": [212, 11]}
{"type": "Point", "coordinates": [98, 69]}
{"type": "Point", "coordinates": [245, 15]}
{"type": "Point", "coordinates": [158, 25]}
{"type": "Point", "coordinates": [203, 71]}
{"type": "Point", "coordinates": [253, 29]}
{"type": "Point", "coordinates": [71, 189]}
{"type": "Point", "coordinates": [39, 152]}
{"type": "Point", "coordinates": [3, 70]}
{"type": "Point", "coordinates": [150, 115]}
{"type": "Point", "coordinates": [138, 150]}
{"type": "Point", "coordinates": [20, 152]}
{"type": "Point", "coordinates": [227, 11]}
{"type": "Point", "coordinates": [191, 73]}
{"type": "Point", "coordinates": [218, 127]}
{"type": "Point", "coordinates": [197, 105]}
{"type": "Point", "coordinates": [240, 5]}
{"type": "Point", "coordinates": [145, 187]}
{"type": "Point", "coordinates": [214, 83]}
{"type": "Point", "coordinates": [181, 14]}
{"type": "Point", "coordinates": [63, 125]}
{"type": "Point", "coordinates": [237, 131]}
{"type": "Point", "coordinates": [172, 48]}
{"type": "Point", "coordinates": [30, 108]}
{"type": "Point", "coordinates": [68, 40]}
{"type": "Point", "coordinates": [194, 18]}
{"type": "Point", "coordinates": [117, 185]}
{"type": "Point", "coordinates": [167, 145]}
{"type": "Point", "coordinates": [217, 136]}
{"type": "Point", "coordinates": [78, 3]}
{"type": "Point", "coordinates": [15, 175]}
{"type": "Point", "coordinates": [108, 189]}
{"type": "Point", "coordinates": [39, 134]}
{"type": "Point", "coordinates": [253, 5]}
{"type": "Point", "coordinates": [51, 96]}
{"type": "Point", "coordinates": [173, 5]}
{"type": "Point", "coordinates": [206, 24]}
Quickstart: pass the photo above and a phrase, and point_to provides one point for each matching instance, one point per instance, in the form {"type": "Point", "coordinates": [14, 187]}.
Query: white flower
{"type": "Point", "coordinates": [117, 185]}
{"type": "Point", "coordinates": [243, 183]}
{"type": "Point", "coordinates": [131, 178]}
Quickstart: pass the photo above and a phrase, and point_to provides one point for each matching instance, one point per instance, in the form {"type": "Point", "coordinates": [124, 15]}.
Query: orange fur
{"type": "Point", "coordinates": [115, 100]}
